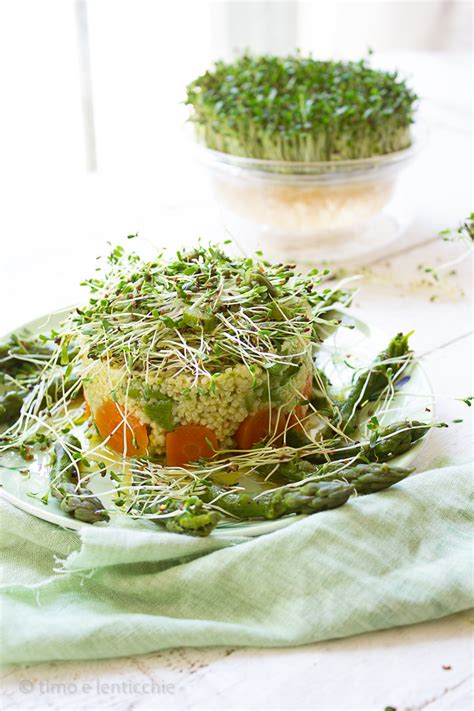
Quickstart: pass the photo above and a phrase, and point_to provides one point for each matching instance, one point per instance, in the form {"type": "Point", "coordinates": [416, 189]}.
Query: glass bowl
{"type": "Point", "coordinates": [330, 208]}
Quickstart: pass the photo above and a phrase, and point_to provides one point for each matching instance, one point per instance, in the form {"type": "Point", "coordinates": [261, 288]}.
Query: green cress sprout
{"type": "Point", "coordinates": [300, 109]}
{"type": "Point", "coordinates": [201, 312]}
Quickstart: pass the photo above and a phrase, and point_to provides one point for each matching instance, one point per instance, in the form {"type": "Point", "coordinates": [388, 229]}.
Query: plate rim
{"type": "Point", "coordinates": [226, 529]}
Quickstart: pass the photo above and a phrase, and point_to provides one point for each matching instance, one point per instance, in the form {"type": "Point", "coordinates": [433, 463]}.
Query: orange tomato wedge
{"type": "Point", "coordinates": [253, 429]}
{"type": "Point", "coordinates": [126, 434]}
{"type": "Point", "coordinates": [257, 427]}
{"type": "Point", "coordinates": [260, 425]}
{"type": "Point", "coordinates": [188, 443]}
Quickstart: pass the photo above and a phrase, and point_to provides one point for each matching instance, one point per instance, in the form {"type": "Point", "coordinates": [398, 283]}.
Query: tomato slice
{"type": "Point", "coordinates": [125, 434]}
{"type": "Point", "coordinates": [260, 425]}
{"type": "Point", "coordinates": [188, 443]}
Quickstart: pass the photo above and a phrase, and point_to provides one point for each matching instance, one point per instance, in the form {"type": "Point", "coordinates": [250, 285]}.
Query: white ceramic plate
{"type": "Point", "coordinates": [358, 345]}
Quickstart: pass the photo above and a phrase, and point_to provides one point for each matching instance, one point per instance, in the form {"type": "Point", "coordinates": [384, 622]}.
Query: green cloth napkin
{"type": "Point", "coordinates": [396, 557]}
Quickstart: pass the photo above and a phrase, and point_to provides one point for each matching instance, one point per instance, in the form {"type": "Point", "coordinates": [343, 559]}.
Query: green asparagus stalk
{"type": "Point", "coordinates": [370, 478]}
{"type": "Point", "coordinates": [75, 500]}
{"type": "Point", "coordinates": [24, 355]}
{"type": "Point", "coordinates": [365, 478]}
{"type": "Point", "coordinates": [64, 465]}
{"type": "Point", "coordinates": [194, 519]}
{"type": "Point", "coordinates": [59, 385]}
{"type": "Point", "coordinates": [391, 442]}
{"type": "Point", "coordinates": [309, 498]}
{"type": "Point", "coordinates": [80, 503]}
{"type": "Point", "coordinates": [10, 407]}
{"type": "Point", "coordinates": [12, 401]}
{"type": "Point", "coordinates": [370, 384]}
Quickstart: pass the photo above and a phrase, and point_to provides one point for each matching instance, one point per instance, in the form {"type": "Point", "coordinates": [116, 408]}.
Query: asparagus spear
{"type": "Point", "coordinates": [22, 360]}
{"type": "Point", "coordinates": [365, 478]}
{"type": "Point", "coordinates": [24, 355]}
{"type": "Point", "coordinates": [80, 503]}
{"type": "Point", "coordinates": [11, 402]}
{"type": "Point", "coordinates": [370, 478]}
{"type": "Point", "coordinates": [10, 407]}
{"type": "Point", "coordinates": [63, 467]}
{"type": "Point", "coordinates": [59, 385]}
{"type": "Point", "coordinates": [369, 384]}
{"type": "Point", "coordinates": [194, 520]}
{"type": "Point", "coordinates": [75, 500]}
{"type": "Point", "coordinates": [309, 498]}
{"type": "Point", "coordinates": [391, 441]}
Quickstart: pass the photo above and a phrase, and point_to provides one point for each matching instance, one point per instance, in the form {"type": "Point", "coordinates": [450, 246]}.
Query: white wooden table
{"type": "Point", "coordinates": [52, 230]}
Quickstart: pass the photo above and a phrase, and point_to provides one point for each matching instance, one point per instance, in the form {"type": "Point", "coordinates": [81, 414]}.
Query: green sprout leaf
{"type": "Point", "coordinates": [297, 108]}
{"type": "Point", "coordinates": [467, 400]}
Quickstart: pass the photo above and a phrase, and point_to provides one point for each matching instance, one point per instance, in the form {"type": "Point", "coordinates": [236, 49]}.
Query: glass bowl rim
{"type": "Point", "coordinates": [262, 166]}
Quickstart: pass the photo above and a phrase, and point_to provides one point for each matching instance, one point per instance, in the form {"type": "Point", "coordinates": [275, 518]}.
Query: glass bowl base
{"type": "Point", "coordinates": [349, 246]}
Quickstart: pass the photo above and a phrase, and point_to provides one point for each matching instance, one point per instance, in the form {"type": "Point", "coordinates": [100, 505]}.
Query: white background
{"type": "Point", "coordinates": [56, 216]}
